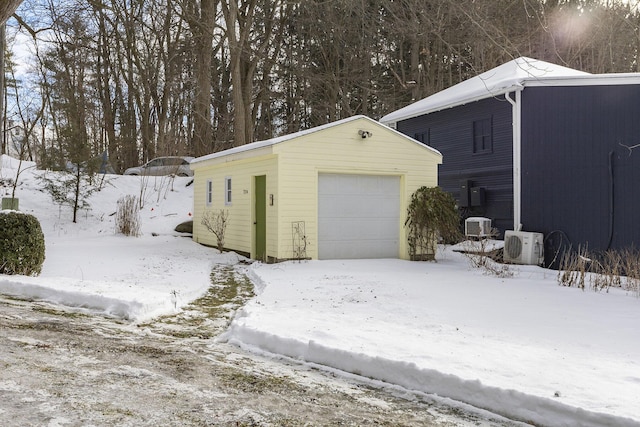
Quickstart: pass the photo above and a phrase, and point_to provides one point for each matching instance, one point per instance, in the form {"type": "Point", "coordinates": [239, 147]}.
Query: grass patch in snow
{"type": "Point", "coordinates": [229, 291]}
{"type": "Point", "coordinates": [60, 313]}
{"type": "Point", "coordinates": [210, 314]}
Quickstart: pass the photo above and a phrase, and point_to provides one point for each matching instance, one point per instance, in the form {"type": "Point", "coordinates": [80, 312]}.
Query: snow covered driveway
{"type": "Point", "coordinates": [64, 368]}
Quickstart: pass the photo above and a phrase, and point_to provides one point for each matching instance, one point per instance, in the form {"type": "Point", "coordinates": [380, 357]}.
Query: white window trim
{"type": "Point", "coordinates": [209, 192]}
{"type": "Point", "coordinates": [228, 186]}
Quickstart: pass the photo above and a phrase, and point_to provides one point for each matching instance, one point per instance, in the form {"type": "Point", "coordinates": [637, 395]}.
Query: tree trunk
{"type": "Point", "coordinates": [202, 130]}
{"type": "Point", "coordinates": [231, 18]}
{"type": "Point", "coordinates": [3, 116]}
{"type": "Point", "coordinates": [7, 7]}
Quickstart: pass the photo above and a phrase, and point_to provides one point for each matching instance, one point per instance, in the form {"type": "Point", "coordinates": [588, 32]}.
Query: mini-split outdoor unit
{"type": "Point", "coordinates": [522, 247]}
{"type": "Point", "coordinates": [477, 226]}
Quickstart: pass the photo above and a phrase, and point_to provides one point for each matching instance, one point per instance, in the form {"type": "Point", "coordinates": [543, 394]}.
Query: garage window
{"type": "Point", "coordinates": [227, 190]}
{"type": "Point", "coordinates": [209, 191]}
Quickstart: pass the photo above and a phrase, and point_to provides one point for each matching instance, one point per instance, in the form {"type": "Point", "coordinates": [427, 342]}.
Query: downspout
{"type": "Point", "coordinates": [3, 115]}
{"type": "Point", "coordinates": [611, 199]}
{"type": "Point", "coordinates": [516, 113]}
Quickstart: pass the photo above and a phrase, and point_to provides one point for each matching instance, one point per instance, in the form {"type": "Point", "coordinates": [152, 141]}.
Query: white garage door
{"type": "Point", "coordinates": [358, 216]}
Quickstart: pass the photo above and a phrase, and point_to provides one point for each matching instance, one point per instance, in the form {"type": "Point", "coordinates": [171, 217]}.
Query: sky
{"type": "Point", "coordinates": [519, 346]}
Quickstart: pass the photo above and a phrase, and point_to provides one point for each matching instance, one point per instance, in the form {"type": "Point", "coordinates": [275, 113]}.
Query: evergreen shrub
{"type": "Point", "coordinates": [21, 244]}
{"type": "Point", "coordinates": [431, 217]}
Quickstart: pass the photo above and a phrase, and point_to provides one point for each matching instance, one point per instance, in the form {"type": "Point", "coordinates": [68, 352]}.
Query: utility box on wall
{"type": "Point", "coordinates": [477, 196]}
{"type": "Point", "coordinates": [464, 194]}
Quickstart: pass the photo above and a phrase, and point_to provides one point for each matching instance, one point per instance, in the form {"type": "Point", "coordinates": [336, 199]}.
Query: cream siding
{"type": "Point", "coordinates": [341, 150]}
{"type": "Point", "coordinates": [292, 167]}
{"type": "Point", "coordinates": [239, 235]}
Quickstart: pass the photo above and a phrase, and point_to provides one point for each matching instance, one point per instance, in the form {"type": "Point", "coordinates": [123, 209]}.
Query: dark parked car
{"type": "Point", "coordinates": [171, 165]}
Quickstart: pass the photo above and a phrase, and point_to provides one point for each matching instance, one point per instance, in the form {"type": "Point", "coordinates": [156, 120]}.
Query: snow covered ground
{"type": "Point", "coordinates": [88, 265]}
{"type": "Point", "coordinates": [520, 346]}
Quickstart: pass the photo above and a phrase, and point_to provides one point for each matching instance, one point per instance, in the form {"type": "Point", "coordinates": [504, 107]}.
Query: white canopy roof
{"type": "Point", "coordinates": [494, 82]}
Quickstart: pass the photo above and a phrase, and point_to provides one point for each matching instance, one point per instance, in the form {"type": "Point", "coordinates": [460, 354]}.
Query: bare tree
{"type": "Point", "coordinates": [249, 32]}
{"type": "Point", "coordinates": [216, 222]}
{"type": "Point", "coordinates": [202, 21]}
{"type": "Point", "coordinates": [3, 114]}
{"type": "Point", "coordinates": [140, 78]}
{"type": "Point", "coordinates": [29, 110]}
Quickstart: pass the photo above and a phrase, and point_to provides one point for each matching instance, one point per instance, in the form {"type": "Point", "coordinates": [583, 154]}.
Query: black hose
{"type": "Point", "coordinates": [610, 199]}
{"type": "Point", "coordinates": [554, 251]}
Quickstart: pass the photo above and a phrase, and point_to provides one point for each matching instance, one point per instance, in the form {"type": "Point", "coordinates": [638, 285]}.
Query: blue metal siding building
{"type": "Point", "coordinates": [578, 177]}
{"type": "Point", "coordinates": [467, 172]}
{"type": "Point", "coordinates": [557, 159]}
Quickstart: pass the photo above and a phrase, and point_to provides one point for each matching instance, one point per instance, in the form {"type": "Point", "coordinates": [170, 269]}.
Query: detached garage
{"type": "Point", "coordinates": [337, 191]}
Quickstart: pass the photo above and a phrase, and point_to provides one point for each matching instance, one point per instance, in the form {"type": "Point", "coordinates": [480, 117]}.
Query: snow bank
{"type": "Point", "coordinates": [87, 265]}
{"type": "Point", "coordinates": [22, 288]}
{"type": "Point", "coordinates": [522, 347]}
{"type": "Point", "coordinates": [507, 402]}
{"type": "Point", "coordinates": [7, 162]}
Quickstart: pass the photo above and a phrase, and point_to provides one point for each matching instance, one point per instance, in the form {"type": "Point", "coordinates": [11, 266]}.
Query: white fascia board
{"type": "Point", "coordinates": [496, 94]}
{"type": "Point", "coordinates": [615, 79]}
{"type": "Point", "coordinates": [491, 83]}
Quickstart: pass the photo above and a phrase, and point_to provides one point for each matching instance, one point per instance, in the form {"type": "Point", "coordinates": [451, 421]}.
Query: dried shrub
{"type": "Point", "coordinates": [607, 271]}
{"type": "Point", "coordinates": [610, 269]}
{"type": "Point", "coordinates": [128, 216]}
{"type": "Point", "coordinates": [216, 223]}
{"type": "Point", "coordinates": [573, 268]}
{"type": "Point", "coordinates": [21, 244]}
{"type": "Point", "coordinates": [619, 269]}
{"type": "Point", "coordinates": [481, 255]}
{"type": "Point", "coordinates": [630, 260]}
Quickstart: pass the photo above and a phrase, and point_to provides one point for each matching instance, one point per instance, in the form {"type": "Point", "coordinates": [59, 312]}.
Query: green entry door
{"type": "Point", "coordinates": [261, 217]}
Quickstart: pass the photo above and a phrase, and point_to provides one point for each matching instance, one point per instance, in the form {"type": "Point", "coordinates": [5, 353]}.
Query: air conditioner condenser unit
{"type": "Point", "coordinates": [523, 247]}
{"type": "Point", "coordinates": [477, 226]}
